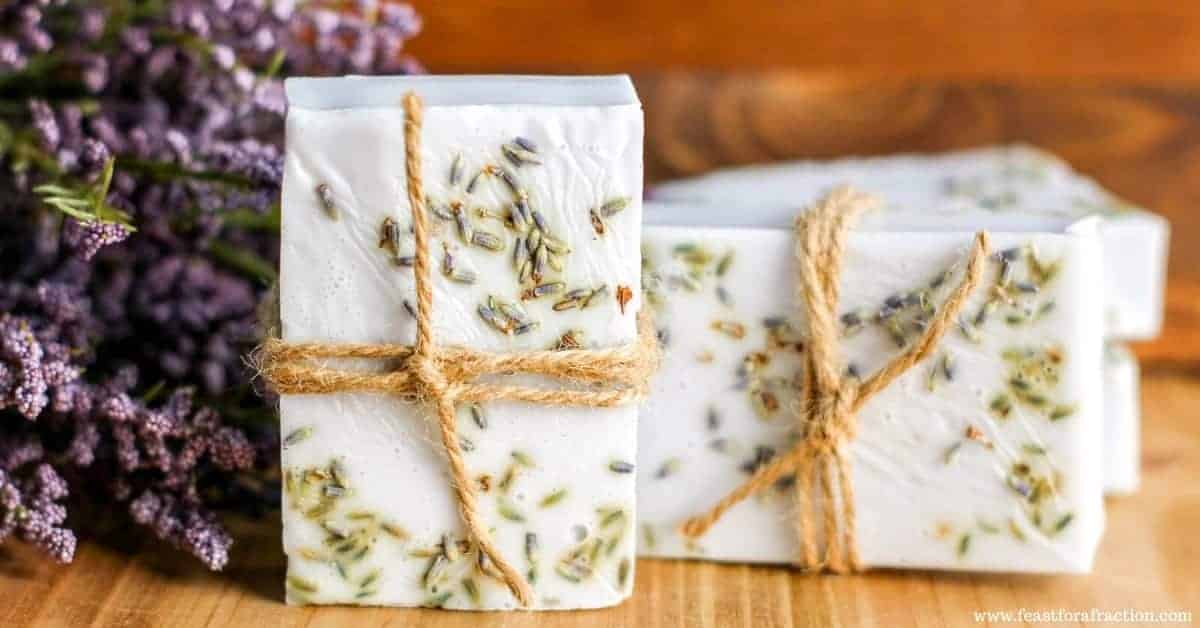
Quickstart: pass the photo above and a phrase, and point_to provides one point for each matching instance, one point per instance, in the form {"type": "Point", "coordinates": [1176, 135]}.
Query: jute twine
{"type": "Point", "coordinates": [444, 376]}
{"type": "Point", "coordinates": [828, 406]}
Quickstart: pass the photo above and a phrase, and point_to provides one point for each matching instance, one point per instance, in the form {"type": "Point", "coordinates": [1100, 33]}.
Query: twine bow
{"type": "Point", "coordinates": [828, 407]}
{"type": "Point", "coordinates": [444, 376]}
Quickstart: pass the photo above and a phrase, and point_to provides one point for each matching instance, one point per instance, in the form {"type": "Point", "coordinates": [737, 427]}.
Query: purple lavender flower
{"type": "Point", "coordinates": [44, 124]}
{"type": "Point", "coordinates": [30, 508]}
{"type": "Point", "coordinates": [160, 450]}
{"type": "Point", "coordinates": [24, 371]}
{"type": "Point", "coordinates": [87, 238]}
{"type": "Point", "coordinates": [124, 290]}
{"type": "Point", "coordinates": [184, 526]}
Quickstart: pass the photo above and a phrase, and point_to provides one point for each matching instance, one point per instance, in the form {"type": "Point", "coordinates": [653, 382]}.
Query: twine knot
{"type": "Point", "coordinates": [832, 423]}
{"type": "Point", "coordinates": [430, 380]}
{"type": "Point", "coordinates": [829, 401]}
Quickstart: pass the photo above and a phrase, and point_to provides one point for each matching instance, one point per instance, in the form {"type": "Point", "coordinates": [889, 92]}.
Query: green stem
{"type": "Point", "coordinates": [167, 171]}
{"type": "Point", "coordinates": [237, 217]}
{"type": "Point", "coordinates": [243, 261]}
{"type": "Point", "coordinates": [251, 220]}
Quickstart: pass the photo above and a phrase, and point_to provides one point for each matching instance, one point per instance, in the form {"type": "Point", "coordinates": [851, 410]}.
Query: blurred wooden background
{"type": "Point", "coordinates": [1141, 140]}
{"type": "Point", "coordinates": [1113, 86]}
{"type": "Point", "coordinates": [1129, 39]}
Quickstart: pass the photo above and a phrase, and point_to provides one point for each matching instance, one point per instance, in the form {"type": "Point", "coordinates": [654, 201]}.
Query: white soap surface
{"type": "Point", "coordinates": [1122, 421]}
{"type": "Point", "coordinates": [937, 463]}
{"type": "Point", "coordinates": [998, 179]}
{"type": "Point", "coordinates": [338, 285]}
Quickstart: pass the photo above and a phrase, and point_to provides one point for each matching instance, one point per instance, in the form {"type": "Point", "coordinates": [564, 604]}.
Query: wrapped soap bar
{"type": "Point", "coordinates": [999, 179]}
{"type": "Point", "coordinates": [986, 456]}
{"type": "Point", "coordinates": [533, 189]}
{"type": "Point", "coordinates": [1122, 420]}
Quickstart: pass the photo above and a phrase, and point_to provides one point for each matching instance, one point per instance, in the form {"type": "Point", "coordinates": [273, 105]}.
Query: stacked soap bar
{"type": "Point", "coordinates": [984, 457]}
{"type": "Point", "coordinates": [1012, 180]}
{"type": "Point", "coordinates": [534, 186]}
{"type": "Point", "coordinates": [1122, 417]}
{"type": "Point", "coordinates": [1000, 179]}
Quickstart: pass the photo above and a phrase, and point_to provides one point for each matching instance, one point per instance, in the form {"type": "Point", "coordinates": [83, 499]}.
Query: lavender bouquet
{"type": "Point", "coordinates": [140, 164]}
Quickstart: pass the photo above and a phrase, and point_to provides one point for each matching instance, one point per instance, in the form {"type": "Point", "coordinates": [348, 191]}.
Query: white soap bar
{"type": "Point", "coordinates": [1122, 421]}
{"type": "Point", "coordinates": [999, 179]}
{"type": "Point", "coordinates": [368, 513]}
{"type": "Point", "coordinates": [984, 457]}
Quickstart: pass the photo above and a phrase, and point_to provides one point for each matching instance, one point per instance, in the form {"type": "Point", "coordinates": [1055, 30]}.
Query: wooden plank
{"type": "Point", "coordinates": [1149, 39]}
{"type": "Point", "coordinates": [1148, 561]}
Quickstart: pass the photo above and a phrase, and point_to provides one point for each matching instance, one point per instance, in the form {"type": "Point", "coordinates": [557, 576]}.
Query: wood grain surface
{"type": "Point", "coordinates": [1141, 140]}
{"type": "Point", "coordinates": [1148, 561]}
{"type": "Point", "coordinates": [1126, 39]}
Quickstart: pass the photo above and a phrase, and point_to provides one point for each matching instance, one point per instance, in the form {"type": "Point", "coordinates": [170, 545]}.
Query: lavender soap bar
{"type": "Point", "coordinates": [533, 186]}
{"type": "Point", "coordinates": [1000, 179]}
{"type": "Point", "coordinates": [984, 457]}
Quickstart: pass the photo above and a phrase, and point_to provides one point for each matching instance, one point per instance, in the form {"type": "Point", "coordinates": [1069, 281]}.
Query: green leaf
{"type": "Point", "coordinates": [71, 211]}
{"type": "Point", "coordinates": [52, 189]}
{"type": "Point", "coordinates": [77, 203]}
{"type": "Point", "coordinates": [106, 179]}
{"type": "Point", "coordinates": [108, 213]}
{"type": "Point", "coordinates": [87, 203]}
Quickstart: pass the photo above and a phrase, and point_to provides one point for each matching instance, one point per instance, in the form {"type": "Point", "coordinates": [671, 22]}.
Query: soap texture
{"type": "Point", "coordinates": [984, 457]}
{"type": "Point", "coordinates": [997, 179]}
{"type": "Point", "coordinates": [534, 188]}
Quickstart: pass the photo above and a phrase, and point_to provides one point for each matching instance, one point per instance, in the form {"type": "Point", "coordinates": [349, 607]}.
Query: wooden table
{"type": "Point", "coordinates": [1141, 141]}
